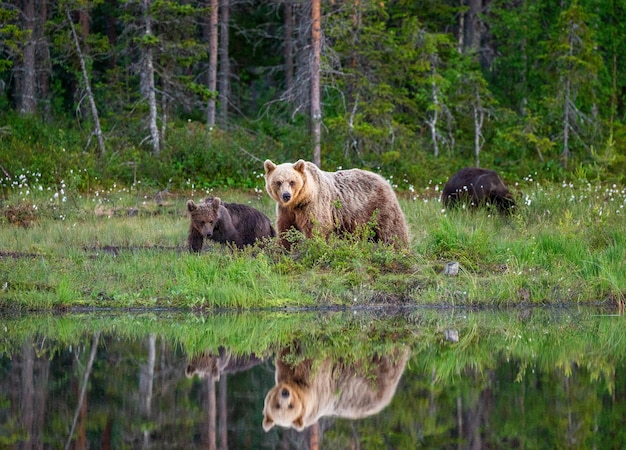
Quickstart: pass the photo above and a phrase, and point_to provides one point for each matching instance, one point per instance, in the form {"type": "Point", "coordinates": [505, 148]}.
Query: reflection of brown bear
{"type": "Point", "coordinates": [211, 365]}
{"type": "Point", "coordinates": [306, 391]}
{"type": "Point", "coordinates": [226, 223]}
{"type": "Point", "coordinates": [308, 198]}
{"type": "Point", "coordinates": [473, 187]}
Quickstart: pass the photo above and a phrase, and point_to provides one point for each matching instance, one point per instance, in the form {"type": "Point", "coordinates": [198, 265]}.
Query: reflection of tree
{"type": "Point", "coordinates": [213, 370]}
{"type": "Point", "coordinates": [80, 441]}
{"type": "Point", "coordinates": [146, 382]}
{"type": "Point", "coordinates": [32, 373]}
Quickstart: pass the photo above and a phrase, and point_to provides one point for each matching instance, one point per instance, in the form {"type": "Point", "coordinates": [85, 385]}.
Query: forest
{"type": "Point", "coordinates": [180, 93]}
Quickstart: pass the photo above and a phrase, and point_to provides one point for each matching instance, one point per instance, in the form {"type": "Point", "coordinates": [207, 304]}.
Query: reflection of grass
{"type": "Point", "coordinates": [539, 339]}
{"type": "Point", "coordinates": [120, 248]}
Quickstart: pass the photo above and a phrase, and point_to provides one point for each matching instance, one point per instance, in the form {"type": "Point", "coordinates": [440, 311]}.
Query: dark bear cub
{"type": "Point", "coordinates": [476, 187]}
{"type": "Point", "coordinates": [226, 223]}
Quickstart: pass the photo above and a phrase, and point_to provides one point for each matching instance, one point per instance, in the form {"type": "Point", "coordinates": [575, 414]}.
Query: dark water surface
{"type": "Point", "coordinates": [416, 378]}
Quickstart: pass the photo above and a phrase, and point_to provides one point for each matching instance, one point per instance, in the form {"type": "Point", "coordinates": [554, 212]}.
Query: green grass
{"type": "Point", "coordinates": [566, 244]}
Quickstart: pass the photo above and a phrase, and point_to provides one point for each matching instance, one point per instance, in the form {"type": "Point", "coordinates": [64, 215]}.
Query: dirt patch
{"type": "Point", "coordinates": [18, 255]}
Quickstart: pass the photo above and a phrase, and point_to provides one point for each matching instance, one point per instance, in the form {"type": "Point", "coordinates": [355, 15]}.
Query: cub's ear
{"type": "Point", "coordinates": [190, 370]}
{"type": "Point", "coordinates": [299, 166]}
{"type": "Point", "coordinates": [268, 423]}
{"type": "Point", "coordinates": [191, 206]}
{"type": "Point", "coordinates": [269, 166]}
{"type": "Point", "coordinates": [216, 203]}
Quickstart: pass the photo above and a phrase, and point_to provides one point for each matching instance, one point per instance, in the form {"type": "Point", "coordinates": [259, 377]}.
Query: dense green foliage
{"type": "Point", "coordinates": [415, 89]}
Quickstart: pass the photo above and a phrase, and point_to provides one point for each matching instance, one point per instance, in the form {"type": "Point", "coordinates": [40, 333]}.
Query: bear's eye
{"type": "Point", "coordinates": [202, 222]}
{"type": "Point", "coordinates": [290, 406]}
{"type": "Point", "coordinates": [292, 183]}
{"type": "Point", "coordinates": [277, 405]}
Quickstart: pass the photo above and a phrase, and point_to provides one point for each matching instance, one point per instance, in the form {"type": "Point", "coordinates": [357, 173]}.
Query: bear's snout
{"type": "Point", "coordinates": [286, 196]}
{"type": "Point", "coordinates": [284, 393]}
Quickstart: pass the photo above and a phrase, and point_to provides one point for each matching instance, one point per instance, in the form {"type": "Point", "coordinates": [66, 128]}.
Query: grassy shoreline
{"type": "Point", "coordinates": [122, 248]}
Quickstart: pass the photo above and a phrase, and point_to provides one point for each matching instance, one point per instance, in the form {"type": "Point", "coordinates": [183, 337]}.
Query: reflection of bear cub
{"type": "Point", "coordinates": [211, 365]}
{"type": "Point", "coordinates": [226, 223]}
{"type": "Point", "coordinates": [473, 187]}
{"type": "Point", "coordinates": [339, 202]}
{"type": "Point", "coordinates": [306, 392]}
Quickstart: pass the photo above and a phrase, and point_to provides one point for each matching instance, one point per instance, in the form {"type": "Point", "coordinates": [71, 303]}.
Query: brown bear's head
{"type": "Point", "coordinates": [285, 182]}
{"type": "Point", "coordinates": [283, 407]}
{"type": "Point", "coordinates": [204, 215]}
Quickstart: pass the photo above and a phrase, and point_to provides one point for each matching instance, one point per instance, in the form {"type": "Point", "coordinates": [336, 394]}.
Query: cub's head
{"type": "Point", "coordinates": [205, 366]}
{"type": "Point", "coordinates": [283, 407]}
{"type": "Point", "coordinates": [285, 182]}
{"type": "Point", "coordinates": [204, 215]}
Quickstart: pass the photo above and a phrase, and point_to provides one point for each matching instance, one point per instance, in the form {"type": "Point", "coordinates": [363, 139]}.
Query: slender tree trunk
{"type": "Point", "coordinates": [210, 116]}
{"type": "Point", "coordinates": [224, 63]}
{"type": "Point", "coordinates": [460, 40]}
{"type": "Point", "coordinates": [316, 109]}
{"type": "Point", "coordinates": [222, 401]}
{"type": "Point", "coordinates": [146, 384]}
{"type": "Point", "coordinates": [27, 100]}
{"type": "Point", "coordinates": [567, 113]}
{"type": "Point", "coordinates": [44, 64]}
{"type": "Point", "coordinates": [566, 124]}
{"type": "Point", "coordinates": [147, 80]}
{"type": "Point", "coordinates": [208, 433]}
{"type": "Point", "coordinates": [288, 49]}
{"type": "Point", "coordinates": [90, 97]}
{"type": "Point", "coordinates": [432, 122]}
{"type": "Point", "coordinates": [479, 116]}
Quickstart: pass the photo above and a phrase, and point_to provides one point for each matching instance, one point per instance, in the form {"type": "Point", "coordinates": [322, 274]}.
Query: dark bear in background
{"type": "Point", "coordinates": [475, 187]}
{"type": "Point", "coordinates": [226, 223]}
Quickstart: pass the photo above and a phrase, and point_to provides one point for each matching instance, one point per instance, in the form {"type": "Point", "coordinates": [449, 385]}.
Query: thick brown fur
{"type": "Point", "coordinates": [306, 392]}
{"type": "Point", "coordinates": [226, 223]}
{"type": "Point", "coordinates": [314, 201]}
{"type": "Point", "coordinates": [476, 187]}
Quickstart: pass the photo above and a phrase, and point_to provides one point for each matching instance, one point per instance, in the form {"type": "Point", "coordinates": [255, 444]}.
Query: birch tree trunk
{"type": "Point", "coordinates": [147, 79]}
{"type": "Point", "coordinates": [90, 97]}
{"type": "Point", "coordinates": [210, 116]}
{"type": "Point", "coordinates": [432, 121]}
{"type": "Point", "coordinates": [316, 110]}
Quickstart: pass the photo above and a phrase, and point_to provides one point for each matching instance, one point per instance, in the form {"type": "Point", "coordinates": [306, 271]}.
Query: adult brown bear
{"type": "Point", "coordinates": [474, 187]}
{"type": "Point", "coordinates": [314, 201]}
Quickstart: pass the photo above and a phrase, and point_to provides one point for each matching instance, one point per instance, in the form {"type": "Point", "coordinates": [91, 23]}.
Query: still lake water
{"type": "Point", "coordinates": [413, 378]}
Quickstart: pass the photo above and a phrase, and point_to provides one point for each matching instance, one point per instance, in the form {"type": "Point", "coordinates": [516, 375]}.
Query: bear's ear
{"type": "Point", "coordinates": [298, 423]}
{"type": "Point", "coordinates": [191, 206]}
{"type": "Point", "coordinates": [216, 203]}
{"type": "Point", "coordinates": [268, 423]}
{"type": "Point", "coordinates": [269, 166]}
{"type": "Point", "coordinates": [190, 370]}
{"type": "Point", "coordinates": [299, 166]}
